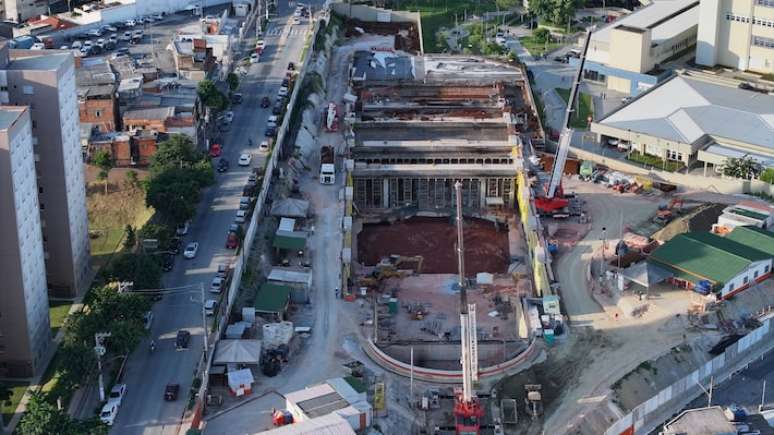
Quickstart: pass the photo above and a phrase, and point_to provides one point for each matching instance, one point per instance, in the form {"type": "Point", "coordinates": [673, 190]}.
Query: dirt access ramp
{"type": "Point", "coordinates": [486, 245]}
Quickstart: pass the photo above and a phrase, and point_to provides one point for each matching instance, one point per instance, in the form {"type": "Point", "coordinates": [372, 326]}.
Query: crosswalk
{"type": "Point", "coordinates": [277, 31]}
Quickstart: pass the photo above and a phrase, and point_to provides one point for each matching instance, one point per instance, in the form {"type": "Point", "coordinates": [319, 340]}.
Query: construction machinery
{"type": "Point", "coordinates": [534, 401]}
{"type": "Point", "coordinates": [666, 212]}
{"type": "Point", "coordinates": [552, 201]}
{"type": "Point", "coordinates": [467, 408]}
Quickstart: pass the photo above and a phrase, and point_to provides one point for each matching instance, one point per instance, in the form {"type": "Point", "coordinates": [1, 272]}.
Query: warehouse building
{"type": "Point", "coordinates": [753, 237]}
{"type": "Point", "coordinates": [627, 54]}
{"type": "Point", "coordinates": [711, 122]}
{"type": "Point", "coordinates": [335, 396]}
{"type": "Point", "coordinates": [706, 262]}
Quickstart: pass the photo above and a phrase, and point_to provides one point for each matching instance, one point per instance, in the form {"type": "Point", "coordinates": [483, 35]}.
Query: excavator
{"type": "Point", "coordinates": [390, 267]}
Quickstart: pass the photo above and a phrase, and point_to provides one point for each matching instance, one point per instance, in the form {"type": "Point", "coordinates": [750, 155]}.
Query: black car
{"type": "Point", "coordinates": [270, 132]}
{"type": "Point", "coordinates": [223, 165]}
{"type": "Point", "coordinates": [277, 109]}
{"type": "Point", "coordinates": [171, 391]}
{"type": "Point", "coordinates": [236, 98]}
{"type": "Point", "coordinates": [183, 337]}
{"type": "Point", "coordinates": [265, 102]}
{"type": "Point", "coordinates": [291, 66]}
{"type": "Point", "coordinates": [286, 82]}
{"type": "Point", "coordinates": [167, 262]}
{"type": "Point", "coordinates": [174, 245]}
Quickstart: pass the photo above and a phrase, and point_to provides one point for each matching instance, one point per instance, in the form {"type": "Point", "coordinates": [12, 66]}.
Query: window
{"type": "Point", "coordinates": [760, 41]}
{"type": "Point", "coordinates": [766, 269]}
{"type": "Point", "coordinates": [674, 155]}
{"type": "Point", "coordinates": [28, 90]}
{"type": "Point", "coordinates": [745, 280]}
{"type": "Point", "coordinates": [98, 113]}
{"type": "Point", "coordinates": [42, 206]}
{"type": "Point", "coordinates": [755, 275]}
{"type": "Point", "coordinates": [769, 3]}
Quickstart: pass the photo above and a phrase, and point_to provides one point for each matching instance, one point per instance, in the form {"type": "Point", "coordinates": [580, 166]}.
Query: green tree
{"type": "Point", "coordinates": [541, 34]}
{"type": "Point", "coordinates": [508, 4]}
{"type": "Point", "coordinates": [130, 237]}
{"type": "Point", "coordinates": [178, 151]}
{"type": "Point", "coordinates": [104, 162]}
{"type": "Point", "coordinates": [162, 233]}
{"type": "Point", "coordinates": [233, 82]}
{"type": "Point", "coordinates": [144, 270]}
{"type": "Point", "coordinates": [174, 193]}
{"type": "Point", "coordinates": [541, 8]}
{"type": "Point", "coordinates": [77, 359]}
{"type": "Point", "coordinates": [563, 11]}
{"type": "Point", "coordinates": [44, 418]}
{"type": "Point", "coordinates": [745, 168]}
{"type": "Point", "coordinates": [211, 95]}
{"type": "Point", "coordinates": [768, 175]}
{"type": "Point", "coordinates": [132, 179]}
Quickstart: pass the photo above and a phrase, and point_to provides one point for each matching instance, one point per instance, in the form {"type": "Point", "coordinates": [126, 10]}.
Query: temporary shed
{"type": "Point", "coordinates": [272, 299]}
{"type": "Point", "coordinates": [237, 352]}
{"type": "Point", "coordinates": [335, 396]}
{"type": "Point", "coordinates": [240, 382]}
{"type": "Point", "coordinates": [300, 281]}
{"type": "Point", "coordinates": [290, 240]}
{"type": "Point", "coordinates": [290, 207]}
{"type": "Point", "coordinates": [757, 238]}
{"type": "Point", "coordinates": [331, 424]}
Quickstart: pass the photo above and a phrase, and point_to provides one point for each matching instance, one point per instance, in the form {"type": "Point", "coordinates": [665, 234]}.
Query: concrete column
{"type": "Point", "coordinates": [386, 193]}
{"type": "Point", "coordinates": [705, 169]}
{"type": "Point", "coordinates": [482, 192]}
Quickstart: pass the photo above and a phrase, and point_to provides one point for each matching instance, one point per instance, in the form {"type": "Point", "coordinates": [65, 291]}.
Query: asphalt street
{"type": "Point", "coordinates": [147, 373]}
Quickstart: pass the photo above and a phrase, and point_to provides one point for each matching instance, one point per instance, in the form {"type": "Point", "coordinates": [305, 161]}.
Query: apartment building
{"type": "Point", "coordinates": [21, 10]}
{"type": "Point", "coordinates": [737, 34]}
{"type": "Point", "coordinates": [44, 81]}
{"type": "Point", "coordinates": [24, 321]}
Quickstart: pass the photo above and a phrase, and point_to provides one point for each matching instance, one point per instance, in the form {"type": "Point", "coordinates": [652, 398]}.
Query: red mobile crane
{"type": "Point", "coordinates": [552, 201]}
{"type": "Point", "coordinates": [467, 409]}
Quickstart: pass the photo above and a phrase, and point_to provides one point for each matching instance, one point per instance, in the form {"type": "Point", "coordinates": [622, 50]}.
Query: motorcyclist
{"type": "Point", "coordinates": [152, 345]}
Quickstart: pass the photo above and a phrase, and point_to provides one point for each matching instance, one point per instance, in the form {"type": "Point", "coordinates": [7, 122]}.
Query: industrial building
{"type": "Point", "coordinates": [24, 322]}
{"type": "Point", "coordinates": [711, 122]}
{"type": "Point", "coordinates": [744, 214]}
{"type": "Point", "coordinates": [757, 238]}
{"type": "Point", "coordinates": [711, 263]}
{"type": "Point", "coordinates": [335, 396]}
{"type": "Point", "coordinates": [737, 34]}
{"type": "Point", "coordinates": [627, 54]}
{"type": "Point", "coordinates": [458, 119]}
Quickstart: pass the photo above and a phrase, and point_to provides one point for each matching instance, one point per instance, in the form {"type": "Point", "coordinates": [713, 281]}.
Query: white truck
{"type": "Point", "coordinates": [327, 165]}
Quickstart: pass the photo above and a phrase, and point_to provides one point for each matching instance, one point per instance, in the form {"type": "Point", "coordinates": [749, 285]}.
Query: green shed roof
{"type": "Point", "coordinates": [272, 298]}
{"type": "Point", "coordinates": [755, 238]}
{"type": "Point", "coordinates": [749, 213]}
{"type": "Point", "coordinates": [707, 256]}
{"type": "Point", "coordinates": [289, 243]}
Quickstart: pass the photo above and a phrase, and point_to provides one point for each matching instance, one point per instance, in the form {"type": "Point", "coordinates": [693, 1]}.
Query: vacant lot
{"type": "Point", "coordinates": [57, 311]}
{"type": "Point", "coordinates": [584, 109]}
{"type": "Point", "coordinates": [437, 14]}
{"type": "Point", "coordinates": [16, 391]}
{"type": "Point", "coordinates": [537, 47]}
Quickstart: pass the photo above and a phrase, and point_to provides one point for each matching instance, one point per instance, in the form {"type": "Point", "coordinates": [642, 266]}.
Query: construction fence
{"type": "Point", "coordinates": [653, 412]}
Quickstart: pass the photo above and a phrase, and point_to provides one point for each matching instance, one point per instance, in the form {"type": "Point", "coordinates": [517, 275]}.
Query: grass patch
{"type": "Point", "coordinates": [16, 389]}
{"type": "Point", "coordinates": [585, 108]}
{"type": "Point", "coordinates": [437, 14]}
{"type": "Point", "coordinates": [110, 214]}
{"type": "Point", "coordinates": [57, 312]}
{"type": "Point", "coordinates": [655, 162]}
{"type": "Point", "coordinates": [536, 47]}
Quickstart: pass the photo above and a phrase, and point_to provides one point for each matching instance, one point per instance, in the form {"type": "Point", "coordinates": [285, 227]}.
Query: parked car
{"type": "Point", "coordinates": [210, 307]}
{"type": "Point", "coordinates": [94, 32]}
{"type": "Point", "coordinates": [215, 150]}
{"type": "Point", "coordinates": [76, 45]}
{"type": "Point", "coordinates": [264, 146]}
{"type": "Point", "coordinates": [265, 102]}
{"type": "Point", "coordinates": [270, 131]}
{"type": "Point", "coordinates": [255, 58]}
{"type": "Point", "coordinates": [126, 37]}
{"type": "Point", "coordinates": [245, 159]}
{"type": "Point", "coordinates": [167, 262]}
{"type": "Point", "coordinates": [130, 23]}
{"type": "Point", "coordinates": [279, 106]}
{"type": "Point", "coordinates": [38, 46]}
{"type": "Point", "coordinates": [171, 391]}
{"type": "Point", "coordinates": [283, 91]}
{"type": "Point", "coordinates": [183, 229]}
{"type": "Point", "coordinates": [147, 319]}
{"type": "Point", "coordinates": [191, 250]}
{"type": "Point", "coordinates": [182, 339]}
{"type": "Point", "coordinates": [245, 202]}
{"type": "Point", "coordinates": [109, 413]}
{"type": "Point", "coordinates": [272, 121]}
{"type": "Point", "coordinates": [174, 245]}
{"type": "Point", "coordinates": [222, 165]}
{"type": "Point", "coordinates": [232, 241]}
{"type": "Point", "coordinates": [241, 216]}
{"type": "Point", "coordinates": [108, 28]}
{"type": "Point", "coordinates": [216, 285]}
{"type": "Point", "coordinates": [117, 394]}
{"type": "Point", "coordinates": [236, 98]}
{"type": "Point", "coordinates": [297, 20]}
{"type": "Point", "coordinates": [159, 16]}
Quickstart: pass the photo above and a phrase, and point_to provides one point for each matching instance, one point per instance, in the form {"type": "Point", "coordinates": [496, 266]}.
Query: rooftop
{"type": "Point", "coordinates": [331, 424]}
{"type": "Point", "coordinates": [753, 237]}
{"type": "Point", "coordinates": [381, 65]}
{"type": "Point", "coordinates": [704, 108]}
{"type": "Point", "coordinates": [706, 256]}
{"type": "Point", "coordinates": [9, 115]}
{"type": "Point", "coordinates": [703, 421]}
{"type": "Point", "coordinates": [272, 298]}
{"type": "Point", "coordinates": [665, 18]}
{"type": "Point", "coordinates": [47, 60]}
{"type": "Point", "coordinates": [156, 113]}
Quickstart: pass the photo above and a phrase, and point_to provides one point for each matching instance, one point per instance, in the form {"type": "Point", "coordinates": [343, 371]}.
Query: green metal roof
{"type": "Point", "coordinates": [289, 243]}
{"type": "Point", "coordinates": [749, 213]}
{"type": "Point", "coordinates": [704, 255]}
{"type": "Point", "coordinates": [272, 298]}
{"type": "Point", "coordinates": [755, 238]}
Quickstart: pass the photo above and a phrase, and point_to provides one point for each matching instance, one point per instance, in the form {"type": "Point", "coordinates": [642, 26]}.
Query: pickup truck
{"type": "Point", "coordinates": [327, 165]}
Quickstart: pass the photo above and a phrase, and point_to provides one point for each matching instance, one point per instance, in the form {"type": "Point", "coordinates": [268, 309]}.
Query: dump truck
{"type": "Point", "coordinates": [327, 166]}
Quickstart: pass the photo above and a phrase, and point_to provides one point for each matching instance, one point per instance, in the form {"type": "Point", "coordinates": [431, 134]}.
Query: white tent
{"type": "Point", "coordinates": [290, 207]}
{"type": "Point", "coordinates": [237, 352]}
{"type": "Point", "coordinates": [240, 382]}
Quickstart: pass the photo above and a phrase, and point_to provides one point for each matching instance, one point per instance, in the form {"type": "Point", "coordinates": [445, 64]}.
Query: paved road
{"type": "Point", "coordinates": [143, 410]}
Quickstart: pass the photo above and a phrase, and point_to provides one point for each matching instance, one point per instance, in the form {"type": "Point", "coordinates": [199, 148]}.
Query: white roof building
{"type": "Point", "coordinates": [335, 396]}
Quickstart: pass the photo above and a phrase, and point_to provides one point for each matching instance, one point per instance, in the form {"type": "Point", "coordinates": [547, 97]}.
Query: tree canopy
{"type": "Point", "coordinates": [211, 96]}
{"type": "Point", "coordinates": [144, 270]}
{"type": "Point", "coordinates": [745, 168]}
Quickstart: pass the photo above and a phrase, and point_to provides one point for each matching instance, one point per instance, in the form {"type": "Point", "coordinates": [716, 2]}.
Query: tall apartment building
{"type": "Point", "coordinates": [737, 34]}
{"type": "Point", "coordinates": [21, 10]}
{"type": "Point", "coordinates": [24, 321]}
{"type": "Point", "coordinates": [45, 82]}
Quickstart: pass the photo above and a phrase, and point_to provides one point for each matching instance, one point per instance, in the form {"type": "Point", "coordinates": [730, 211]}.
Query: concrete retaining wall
{"type": "Point", "coordinates": [656, 410]}
{"type": "Point", "coordinates": [445, 353]}
{"type": "Point", "coordinates": [368, 13]}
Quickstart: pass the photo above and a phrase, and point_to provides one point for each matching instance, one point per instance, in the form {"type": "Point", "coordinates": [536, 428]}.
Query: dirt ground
{"type": "Point", "coordinates": [486, 248]}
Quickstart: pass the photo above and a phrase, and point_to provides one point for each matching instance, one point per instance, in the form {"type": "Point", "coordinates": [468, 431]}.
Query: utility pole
{"type": "Point", "coordinates": [100, 350]}
{"type": "Point", "coordinates": [204, 319]}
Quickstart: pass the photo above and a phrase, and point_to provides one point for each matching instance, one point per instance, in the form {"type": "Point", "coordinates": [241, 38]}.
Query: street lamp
{"type": "Point", "coordinates": [100, 350]}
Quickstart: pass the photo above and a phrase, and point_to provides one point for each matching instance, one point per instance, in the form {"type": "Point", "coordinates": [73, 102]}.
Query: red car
{"type": "Point", "coordinates": [215, 150]}
{"type": "Point", "coordinates": [232, 241]}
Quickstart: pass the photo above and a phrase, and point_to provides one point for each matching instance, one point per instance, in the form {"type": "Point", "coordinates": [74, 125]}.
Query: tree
{"type": "Point", "coordinates": [541, 34]}
{"type": "Point", "coordinates": [174, 193]}
{"type": "Point", "coordinates": [541, 8]}
{"type": "Point", "coordinates": [162, 233]}
{"type": "Point", "coordinates": [44, 418]}
{"type": "Point", "coordinates": [507, 4]}
{"type": "Point", "coordinates": [233, 82]}
{"type": "Point", "coordinates": [144, 270]}
{"type": "Point", "coordinates": [768, 175]}
{"type": "Point", "coordinates": [745, 168]}
{"type": "Point", "coordinates": [132, 180]}
{"type": "Point", "coordinates": [130, 237]}
{"type": "Point", "coordinates": [103, 161]}
{"type": "Point", "coordinates": [211, 95]}
{"type": "Point", "coordinates": [563, 12]}
{"type": "Point", "coordinates": [176, 152]}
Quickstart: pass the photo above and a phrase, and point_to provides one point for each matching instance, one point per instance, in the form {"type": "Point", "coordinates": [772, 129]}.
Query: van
{"type": "Point", "coordinates": [574, 52]}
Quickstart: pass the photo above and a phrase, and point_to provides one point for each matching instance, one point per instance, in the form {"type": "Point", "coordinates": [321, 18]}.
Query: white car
{"type": "Point", "coordinates": [76, 45]}
{"type": "Point", "coordinates": [283, 91]}
{"type": "Point", "coordinates": [264, 146]}
{"type": "Point", "coordinates": [255, 58]}
{"type": "Point", "coordinates": [190, 250]}
{"type": "Point", "coordinates": [297, 20]}
{"type": "Point", "coordinates": [241, 216]}
{"type": "Point", "coordinates": [183, 229]}
{"type": "Point", "coordinates": [227, 117]}
{"type": "Point", "coordinates": [127, 36]}
{"type": "Point", "coordinates": [210, 306]}
{"type": "Point", "coordinates": [109, 413]}
{"type": "Point", "coordinates": [117, 394]}
{"type": "Point", "coordinates": [216, 285]}
{"type": "Point", "coordinates": [130, 23]}
{"type": "Point", "coordinates": [272, 121]}
{"type": "Point", "coordinates": [245, 159]}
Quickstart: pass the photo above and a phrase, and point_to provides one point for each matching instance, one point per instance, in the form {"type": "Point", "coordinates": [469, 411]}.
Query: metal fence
{"type": "Point", "coordinates": [651, 413]}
